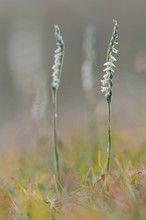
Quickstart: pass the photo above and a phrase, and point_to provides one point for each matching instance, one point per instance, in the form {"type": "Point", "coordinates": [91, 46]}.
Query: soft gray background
{"type": "Point", "coordinates": [27, 48]}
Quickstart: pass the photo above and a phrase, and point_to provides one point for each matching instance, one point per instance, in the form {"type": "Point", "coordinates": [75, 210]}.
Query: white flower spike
{"type": "Point", "coordinates": [107, 78]}
{"type": "Point", "coordinates": [59, 57]}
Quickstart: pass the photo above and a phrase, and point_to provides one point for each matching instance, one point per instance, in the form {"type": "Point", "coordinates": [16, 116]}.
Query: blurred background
{"type": "Point", "coordinates": [27, 47]}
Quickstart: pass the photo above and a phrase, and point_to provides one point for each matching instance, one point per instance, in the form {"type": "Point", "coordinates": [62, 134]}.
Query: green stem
{"type": "Point", "coordinates": [109, 150]}
{"type": "Point", "coordinates": [55, 143]}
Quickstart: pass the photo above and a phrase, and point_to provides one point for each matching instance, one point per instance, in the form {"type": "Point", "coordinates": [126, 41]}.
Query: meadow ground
{"type": "Point", "coordinates": [29, 189]}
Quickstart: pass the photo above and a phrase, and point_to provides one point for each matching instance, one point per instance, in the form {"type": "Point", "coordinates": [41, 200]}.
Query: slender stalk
{"type": "Point", "coordinates": [55, 142]}
{"type": "Point", "coordinates": [107, 84]}
{"type": "Point", "coordinates": [109, 147]}
{"type": "Point", "coordinates": [57, 70]}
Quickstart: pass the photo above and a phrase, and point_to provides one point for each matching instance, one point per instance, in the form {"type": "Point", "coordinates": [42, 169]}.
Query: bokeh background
{"type": "Point", "coordinates": [27, 47]}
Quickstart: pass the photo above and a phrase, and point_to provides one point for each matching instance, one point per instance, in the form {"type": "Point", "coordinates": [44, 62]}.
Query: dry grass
{"type": "Point", "coordinates": [29, 190]}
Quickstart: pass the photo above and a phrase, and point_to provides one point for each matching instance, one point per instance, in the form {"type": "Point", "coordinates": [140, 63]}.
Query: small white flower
{"type": "Point", "coordinates": [115, 50]}
{"type": "Point", "coordinates": [104, 89]}
{"type": "Point", "coordinates": [58, 50]}
{"type": "Point", "coordinates": [112, 58]}
{"type": "Point", "coordinates": [108, 69]}
{"type": "Point", "coordinates": [107, 75]}
{"type": "Point", "coordinates": [104, 82]}
{"type": "Point", "coordinates": [56, 67]}
{"type": "Point", "coordinates": [109, 63]}
{"type": "Point", "coordinates": [57, 56]}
